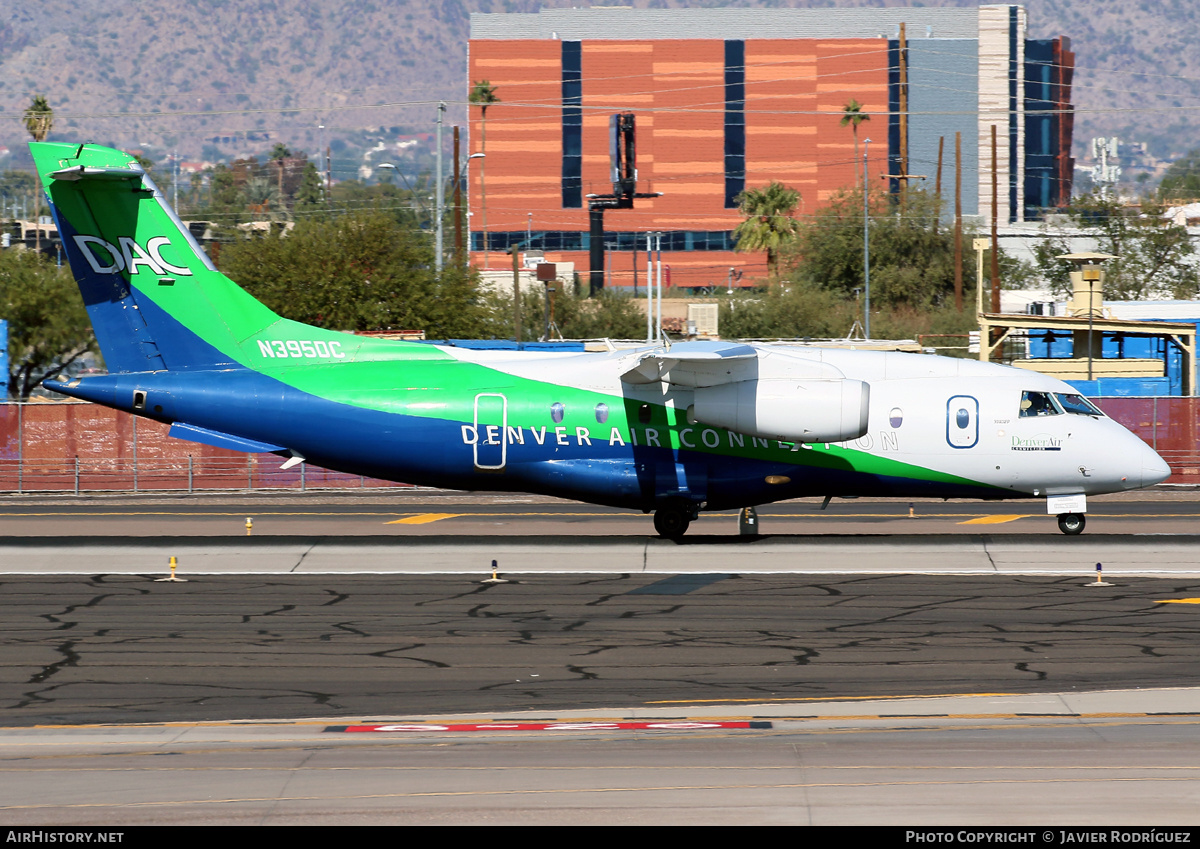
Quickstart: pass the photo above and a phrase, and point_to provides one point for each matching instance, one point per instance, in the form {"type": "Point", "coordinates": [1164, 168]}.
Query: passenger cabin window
{"type": "Point", "coordinates": [1037, 404]}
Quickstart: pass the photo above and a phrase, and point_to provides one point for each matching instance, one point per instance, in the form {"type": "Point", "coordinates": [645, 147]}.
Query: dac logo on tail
{"type": "Point", "coordinates": [128, 257]}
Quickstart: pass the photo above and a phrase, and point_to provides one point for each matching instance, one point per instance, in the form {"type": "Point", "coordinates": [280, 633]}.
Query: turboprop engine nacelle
{"type": "Point", "coordinates": [791, 410]}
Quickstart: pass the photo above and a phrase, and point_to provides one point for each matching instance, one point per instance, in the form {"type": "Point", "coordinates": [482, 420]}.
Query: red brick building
{"type": "Point", "coordinates": [724, 100]}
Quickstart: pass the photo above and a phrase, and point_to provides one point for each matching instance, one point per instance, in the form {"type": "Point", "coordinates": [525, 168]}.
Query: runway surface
{"type": "Point", "coordinates": [129, 649]}
{"type": "Point", "coordinates": [1074, 762]}
{"type": "Point", "coordinates": [997, 688]}
{"type": "Point", "coordinates": [436, 513]}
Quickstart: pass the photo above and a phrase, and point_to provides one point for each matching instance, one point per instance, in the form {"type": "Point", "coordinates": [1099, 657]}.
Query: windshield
{"type": "Point", "coordinates": [1037, 404]}
{"type": "Point", "coordinates": [1078, 405]}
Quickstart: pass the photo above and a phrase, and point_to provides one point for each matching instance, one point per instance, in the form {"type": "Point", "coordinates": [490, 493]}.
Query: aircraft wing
{"type": "Point", "coordinates": [695, 364]}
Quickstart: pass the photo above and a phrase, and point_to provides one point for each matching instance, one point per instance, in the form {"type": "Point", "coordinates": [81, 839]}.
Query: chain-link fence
{"type": "Point", "coordinates": [78, 447]}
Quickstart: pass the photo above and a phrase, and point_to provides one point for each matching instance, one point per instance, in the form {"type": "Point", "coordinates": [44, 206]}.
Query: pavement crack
{"type": "Point", "coordinates": [473, 591]}
{"type": "Point", "coordinates": [1024, 667]}
{"type": "Point", "coordinates": [634, 614]}
{"type": "Point", "coordinates": [69, 609]}
{"type": "Point", "coordinates": [307, 552]}
{"type": "Point", "coordinates": [984, 542]}
{"type": "Point", "coordinates": [341, 626]}
{"type": "Point", "coordinates": [70, 658]}
{"type": "Point", "coordinates": [391, 654]}
{"type": "Point", "coordinates": [338, 597]}
{"type": "Point", "coordinates": [284, 609]}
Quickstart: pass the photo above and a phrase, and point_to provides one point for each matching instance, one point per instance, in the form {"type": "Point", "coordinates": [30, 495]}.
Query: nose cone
{"type": "Point", "coordinates": [1154, 468]}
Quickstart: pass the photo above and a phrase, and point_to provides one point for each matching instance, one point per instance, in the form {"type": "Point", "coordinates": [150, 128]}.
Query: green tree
{"type": "Point", "coordinates": [1155, 258]}
{"type": "Point", "coordinates": [483, 94]}
{"type": "Point", "coordinates": [912, 262]}
{"type": "Point", "coordinates": [576, 315]}
{"type": "Point", "coordinates": [798, 310]}
{"type": "Point", "coordinates": [39, 118]}
{"type": "Point", "coordinates": [48, 328]}
{"type": "Point", "coordinates": [39, 121]}
{"type": "Point", "coordinates": [791, 310]}
{"type": "Point", "coordinates": [1182, 178]}
{"type": "Point", "coordinates": [15, 186]}
{"type": "Point", "coordinates": [225, 194]}
{"type": "Point", "coordinates": [360, 271]}
{"type": "Point", "coordinates": [311, 194]}
{"type": "Point", "coordinates": [769, 224]}
{"type": "Point", "coordinates": [854, 116]}
{"type": "Point", "coordinates": [264, 198]}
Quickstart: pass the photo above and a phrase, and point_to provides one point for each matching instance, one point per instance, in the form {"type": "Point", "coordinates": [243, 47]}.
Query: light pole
{"type": "Point", "coordinates": [395, 169]}
{"type": "Point", "coordinates": [866, 243]}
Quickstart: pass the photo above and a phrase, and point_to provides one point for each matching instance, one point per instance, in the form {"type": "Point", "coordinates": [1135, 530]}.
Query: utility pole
{"type": "Point", "coordinates": [441, 192]}
{"type": "Point", "coordinates": [866, 242]}
{"type": "Point", "coordinates": [995, 226]}
{"type": "Point", "coordinates": [958, 245]}
{"type": "Point", "coordinates": [458, 236]}
{"type": "Point", "coordinates": [515, 250]}
{"type": "Point", "coordinates": [904, 175]}
{"type": "Point", "coordinates": [937, 186]}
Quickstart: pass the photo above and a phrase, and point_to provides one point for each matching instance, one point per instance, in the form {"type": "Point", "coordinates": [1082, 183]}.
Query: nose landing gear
{"type": "Point", "coordinates": [1071, 524]}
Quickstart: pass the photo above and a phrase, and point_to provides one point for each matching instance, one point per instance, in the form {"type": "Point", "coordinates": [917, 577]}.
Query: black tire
{"type": "Point", "coordinates": [1072, 524]}
{"type": "Point", "coordinates": [672, 521]}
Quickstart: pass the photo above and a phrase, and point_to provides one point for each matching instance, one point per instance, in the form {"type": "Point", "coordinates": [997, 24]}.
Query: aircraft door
{"type": "Point", "coordinates": [962, 421]}
{"type": "Point", "coordinates": [491, 424]}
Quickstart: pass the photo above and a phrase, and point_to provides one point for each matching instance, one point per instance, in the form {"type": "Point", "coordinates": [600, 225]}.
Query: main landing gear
{"type": "Point", "coordinates": [1071, 524]}
{"type": "Point", "coordinates": [672, 519]}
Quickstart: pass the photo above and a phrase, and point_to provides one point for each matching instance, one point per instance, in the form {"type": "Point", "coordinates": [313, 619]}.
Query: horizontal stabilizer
{"type": "Point", "coordinates": [93, 172]}
{"type": "Point", "coordinates": [222, 440]}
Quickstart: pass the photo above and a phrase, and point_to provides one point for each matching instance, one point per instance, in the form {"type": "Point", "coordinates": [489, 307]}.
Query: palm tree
{"type": "Point", "coordinates": [263, 196]}
{"type": "Point", "coordinates": [483, 95]}
{"type": "Point", "coordinates": [854, 116]}
{"type": "Point", "coordinates": [39, 120]}
{"type": "Point", "coordinates": [279, 155]}
{"type": "Point", "coordinates": [769, 223]}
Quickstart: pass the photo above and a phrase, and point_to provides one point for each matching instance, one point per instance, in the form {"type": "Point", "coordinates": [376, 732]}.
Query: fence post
{"type": "Point", "coordinates": [135, 456]}
{"type": "Point", "coordinates": [302, 480]}
{"type": "Point", "coordinates": [76, 474]}
{"type": "Point", "coordinates": [189, 474]}
{"type": "Point", "coordinates": [20, 446]}
{"type": "Point", "coordinates": [249, 472]}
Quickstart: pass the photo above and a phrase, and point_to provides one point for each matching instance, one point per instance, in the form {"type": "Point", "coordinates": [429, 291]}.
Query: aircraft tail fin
{"type": "Point", "coordinates": [155, 299]}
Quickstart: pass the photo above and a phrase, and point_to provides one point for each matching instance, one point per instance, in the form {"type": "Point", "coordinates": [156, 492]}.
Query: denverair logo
{"type": "Point", "coordinates": [1041, 442]}
{"type": "Point", "coordinates": [128, 257]}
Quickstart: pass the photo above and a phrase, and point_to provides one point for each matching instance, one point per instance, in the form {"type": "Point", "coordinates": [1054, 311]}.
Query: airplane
{"type": "Point", "coordinates": [676, 429]}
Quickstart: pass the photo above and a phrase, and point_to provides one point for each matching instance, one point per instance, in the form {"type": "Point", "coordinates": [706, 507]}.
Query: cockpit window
{"type": "Point", "coordinates": [1037, 404]}
{"type": "Point", "coordinates": [1078, 405]}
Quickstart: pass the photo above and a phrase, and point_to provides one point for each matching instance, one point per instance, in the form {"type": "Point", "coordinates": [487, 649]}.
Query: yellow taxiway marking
{"type": "Point", "coordinates": [1178, 601]}
{"type": "Point", "coordinates": [829, 698]}
{"type": "Point", "coordinates": [997, 519]}
{"type": "Point", "coordinates": [424, 518]}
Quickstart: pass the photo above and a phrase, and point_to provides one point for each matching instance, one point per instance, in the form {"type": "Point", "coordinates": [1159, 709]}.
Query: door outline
{"type": "Point", "coordinates": [481, 433]}
{"type": "Point", "coordinates": [972, 405]}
